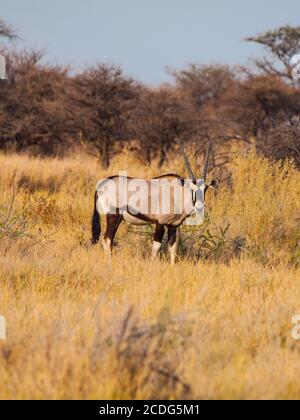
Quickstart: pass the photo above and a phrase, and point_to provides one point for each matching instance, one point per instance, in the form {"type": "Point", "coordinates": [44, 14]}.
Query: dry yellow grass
{"type": "Point", "coordinates": [82, 326]}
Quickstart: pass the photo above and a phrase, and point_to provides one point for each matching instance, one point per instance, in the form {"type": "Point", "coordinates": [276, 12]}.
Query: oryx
{"type": "Point", "coordinates": [165, 202]}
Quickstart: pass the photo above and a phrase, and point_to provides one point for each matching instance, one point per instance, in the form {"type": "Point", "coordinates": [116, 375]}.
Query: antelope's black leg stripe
{"type": "Point", "coordinates": [113, 222]}
{"type": "Point", "coordinates": [159, 233]}
{"type": "Point", "coordinates": [172, 232]}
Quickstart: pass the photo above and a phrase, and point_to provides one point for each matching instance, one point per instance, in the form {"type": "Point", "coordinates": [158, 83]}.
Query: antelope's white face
{"type": "Point", "coordinates": [197, 202]}
{"type": "Point", "coordinates": [198, 191]}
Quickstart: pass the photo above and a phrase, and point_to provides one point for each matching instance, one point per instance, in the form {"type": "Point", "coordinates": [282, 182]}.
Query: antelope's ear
{"type": "Point", "coordinates": [214, 184]}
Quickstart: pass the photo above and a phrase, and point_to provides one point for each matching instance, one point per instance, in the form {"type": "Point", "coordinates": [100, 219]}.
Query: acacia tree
{"type": "Point", "coordinates": [204, 84]}
{"type": "Point", "coordinates": [159, 118]}
{"type": "Point", "coordinates": [6, 31]}
{"type": "Point", "coordinates": [33, 114]}
{"type": "Point", "coordinates": [281, 45]}
{"type": "Point", "coordinates": [282, 141]}
{"type": "Point", "coordinates": [259, 103]}
{"type": "Point", "coordinates": [204, 87]}
{"type": "Point", "coordinates": [104, 99]}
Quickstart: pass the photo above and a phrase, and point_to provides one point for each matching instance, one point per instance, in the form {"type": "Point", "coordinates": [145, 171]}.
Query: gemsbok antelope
{"type": "Point", "coordinates": [165, 202]}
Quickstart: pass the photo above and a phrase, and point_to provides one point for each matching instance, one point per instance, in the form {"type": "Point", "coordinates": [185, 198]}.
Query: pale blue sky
{"type": "Point", "coordinates": [144, 36]}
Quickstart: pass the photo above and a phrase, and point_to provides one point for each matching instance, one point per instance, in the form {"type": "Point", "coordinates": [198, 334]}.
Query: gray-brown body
{"type": "Point", "coordinates": [165, 202]}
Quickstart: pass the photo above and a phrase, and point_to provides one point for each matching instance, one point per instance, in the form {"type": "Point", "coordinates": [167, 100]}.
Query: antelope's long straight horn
{"type": "Point", "coordinates": [205, 169]}
{"type": "Point", "coordinates": [187, 163]}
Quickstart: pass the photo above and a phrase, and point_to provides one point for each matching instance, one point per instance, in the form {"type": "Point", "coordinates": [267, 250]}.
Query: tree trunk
{"type": "Point", "coordinates": [162, 156]}
{"type": "Point", "coordinates": [105, 154]}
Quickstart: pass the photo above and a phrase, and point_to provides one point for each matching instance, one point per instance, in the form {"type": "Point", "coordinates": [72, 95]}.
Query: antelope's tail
{"type": "Point", "coordinates": [96, 227]}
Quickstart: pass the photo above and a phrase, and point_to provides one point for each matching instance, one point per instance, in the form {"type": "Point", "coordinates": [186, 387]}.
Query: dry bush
{"type": "Point", "coordinates": [17, 227]}
{"type": "Point", "coordinates": [282, 142]}
{"type": "Point", "coordinates": [208, 246]}
{"type": "Point", "coordinates": [147, 358]}
{"type": "Point", "coordinates": [263, 207]}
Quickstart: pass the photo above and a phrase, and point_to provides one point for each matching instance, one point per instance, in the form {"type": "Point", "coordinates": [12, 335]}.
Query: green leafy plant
{"type": "Point", "coordinates": [218, 246]}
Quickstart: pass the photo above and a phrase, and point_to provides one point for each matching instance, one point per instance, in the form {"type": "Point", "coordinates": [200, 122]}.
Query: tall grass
{"type": "Point", "coordinates": [217, 325]}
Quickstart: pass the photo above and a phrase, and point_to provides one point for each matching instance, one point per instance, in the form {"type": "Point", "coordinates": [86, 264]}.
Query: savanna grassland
{"type": "Point", "coordinates": [80, 325]}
